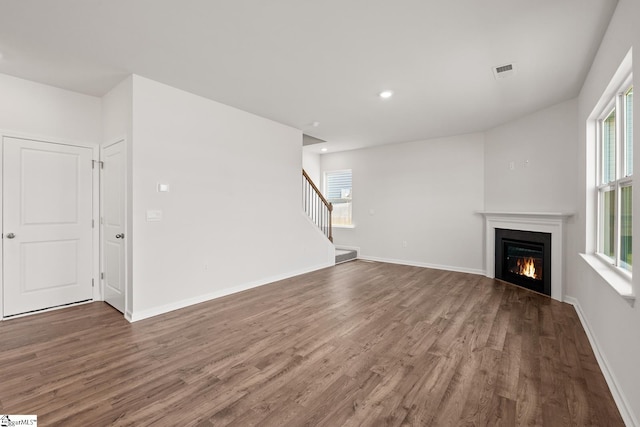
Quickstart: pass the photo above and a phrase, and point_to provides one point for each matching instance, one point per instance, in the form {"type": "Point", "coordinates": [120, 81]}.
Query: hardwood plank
{"type": "Point", "coordinates": [359, 344]}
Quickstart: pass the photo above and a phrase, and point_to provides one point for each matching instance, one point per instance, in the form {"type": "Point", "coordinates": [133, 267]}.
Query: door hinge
{"type": "Point", "coordinates": [100, 164]}
{"type": "Point", "coordinates": [93, 283]}
{"type": "Point", "coordinates": [101, 276]}
{"type": "Point", "coordinates": [93, 223]}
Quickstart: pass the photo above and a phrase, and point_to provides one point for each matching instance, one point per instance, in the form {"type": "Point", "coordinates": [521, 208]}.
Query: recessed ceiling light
{"type": "Point", "coordinates": [385, 94]}
{"type": "Point", "coordinates": [324, 149]}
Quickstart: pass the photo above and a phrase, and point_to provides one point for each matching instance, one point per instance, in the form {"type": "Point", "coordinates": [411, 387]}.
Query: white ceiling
{"type": "Point", "coordinates": [301, 61]}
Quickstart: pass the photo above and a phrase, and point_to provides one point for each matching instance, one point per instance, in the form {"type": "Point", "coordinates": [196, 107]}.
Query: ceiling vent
{"type": "Point", "coordinates": [504, 71]}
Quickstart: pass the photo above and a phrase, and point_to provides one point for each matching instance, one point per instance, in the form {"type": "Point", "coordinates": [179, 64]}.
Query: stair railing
{"type": "Point", "coordinates": [316, 206]}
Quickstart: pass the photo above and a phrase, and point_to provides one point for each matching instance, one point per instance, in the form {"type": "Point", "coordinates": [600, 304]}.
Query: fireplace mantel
{"type": "Point", "coordinates": [545, 222]}
{"type": "Point", "coordinates": [541, 215]}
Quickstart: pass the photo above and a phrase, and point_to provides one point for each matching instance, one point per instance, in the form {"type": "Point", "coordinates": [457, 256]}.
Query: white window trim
{"type": "Point", "coordinates": [616, 102]}
{"type": "Point", "coordinates": [617, 278]}
{"type": "Point", "coordinates": [324, 190]}
{"type": "Point", "coordinates": [345, 226]}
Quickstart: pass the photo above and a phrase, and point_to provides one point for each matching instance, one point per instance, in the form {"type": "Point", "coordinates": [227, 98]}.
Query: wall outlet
{"type": "Point", "coordinates": [404, 243]}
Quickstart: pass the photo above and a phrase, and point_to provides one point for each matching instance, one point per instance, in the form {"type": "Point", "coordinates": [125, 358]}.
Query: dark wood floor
{"type": "Point", "coordinates": [359, 344]}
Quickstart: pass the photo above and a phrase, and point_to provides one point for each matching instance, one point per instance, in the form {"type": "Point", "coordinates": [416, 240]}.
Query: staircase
{"type": "Point", "coordinates": [344, 255]}
{"type": "Point", "coordinates": [319, 210]}
{"type": "Point", "coordinates": [316, 206]}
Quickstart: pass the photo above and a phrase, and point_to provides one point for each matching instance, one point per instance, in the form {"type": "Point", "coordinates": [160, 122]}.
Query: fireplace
{"type": "Point", "coordinates": [524, 259]}
{"type": "Point", "coordinates": [551, 223]}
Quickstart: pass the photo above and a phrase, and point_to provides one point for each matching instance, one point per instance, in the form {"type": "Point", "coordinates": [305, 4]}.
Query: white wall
{"type": "Point", "coordinates": [44, 111]}
{"type": "Point", "coordinates": [542, 148]}
{"type": "Point", "coordinates": [233, 218]}
{"type": "Point", "coordinates": [423, 193]}
{"type": "Point", "coordinates": [117, 112]}
{"type": "Point", "coordinates": [311, 164]}
{"type": "Point", "coordinates": [613, 323]}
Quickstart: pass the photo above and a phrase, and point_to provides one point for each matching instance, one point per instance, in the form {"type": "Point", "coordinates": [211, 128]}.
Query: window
{"type": "Point", "coordinates": [615, 179]}
{"type": "Point", "coordinates": [337, 190]}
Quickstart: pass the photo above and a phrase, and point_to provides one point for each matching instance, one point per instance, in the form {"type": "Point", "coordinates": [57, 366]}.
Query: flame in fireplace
{"type": "Point", "coordinates": [527, 267]}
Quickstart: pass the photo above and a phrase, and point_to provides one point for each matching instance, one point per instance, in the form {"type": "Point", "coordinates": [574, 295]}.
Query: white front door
{"type": "Point", "coordinates": [113, 228]}
{"type": "Point", "coordinates": [47, 236]}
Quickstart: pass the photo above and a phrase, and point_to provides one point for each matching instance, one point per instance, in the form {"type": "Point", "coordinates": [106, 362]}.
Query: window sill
{"type": "Point", "coordinates": [620, 283]}
{"type": "Point", "coordinates": [344, 226]}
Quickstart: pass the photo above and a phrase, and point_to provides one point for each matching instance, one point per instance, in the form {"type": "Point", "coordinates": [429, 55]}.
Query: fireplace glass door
{"type": "Point", "coordinates": [524, 258]}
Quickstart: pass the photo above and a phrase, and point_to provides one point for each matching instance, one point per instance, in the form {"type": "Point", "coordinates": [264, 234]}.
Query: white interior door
{"type": "Point", "coordinates": [47, 236]}
{"type": "Point", "coordinates": [113, 227]}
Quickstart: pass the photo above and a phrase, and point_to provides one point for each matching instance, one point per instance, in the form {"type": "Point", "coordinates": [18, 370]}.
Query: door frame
{"type": "Point", "coordinates": [95, 202]}
{"type": "Point", "coordinates": [100, 228]}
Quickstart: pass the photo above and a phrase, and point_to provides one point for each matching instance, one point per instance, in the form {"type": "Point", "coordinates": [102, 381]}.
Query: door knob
{"type": "Point", "coordinates": [120, 236]}
{"type": "Point", "coordinates": [10, 235]}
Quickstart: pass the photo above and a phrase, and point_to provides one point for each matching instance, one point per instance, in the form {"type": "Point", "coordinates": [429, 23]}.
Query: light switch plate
{"type": "Point", "coordinates": [163, 188]}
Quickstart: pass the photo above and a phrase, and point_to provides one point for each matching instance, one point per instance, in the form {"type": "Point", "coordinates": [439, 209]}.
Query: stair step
{"type": "Point", "coordinates": [344, 255]}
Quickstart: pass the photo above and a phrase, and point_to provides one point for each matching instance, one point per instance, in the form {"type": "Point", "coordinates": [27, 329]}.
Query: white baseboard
{"type": "Point", "coordinates": [155, 311]}
{"type": "Point", "coordinates": [623, 406]}
{"type": "Point", "coordinates": [424, 265]}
